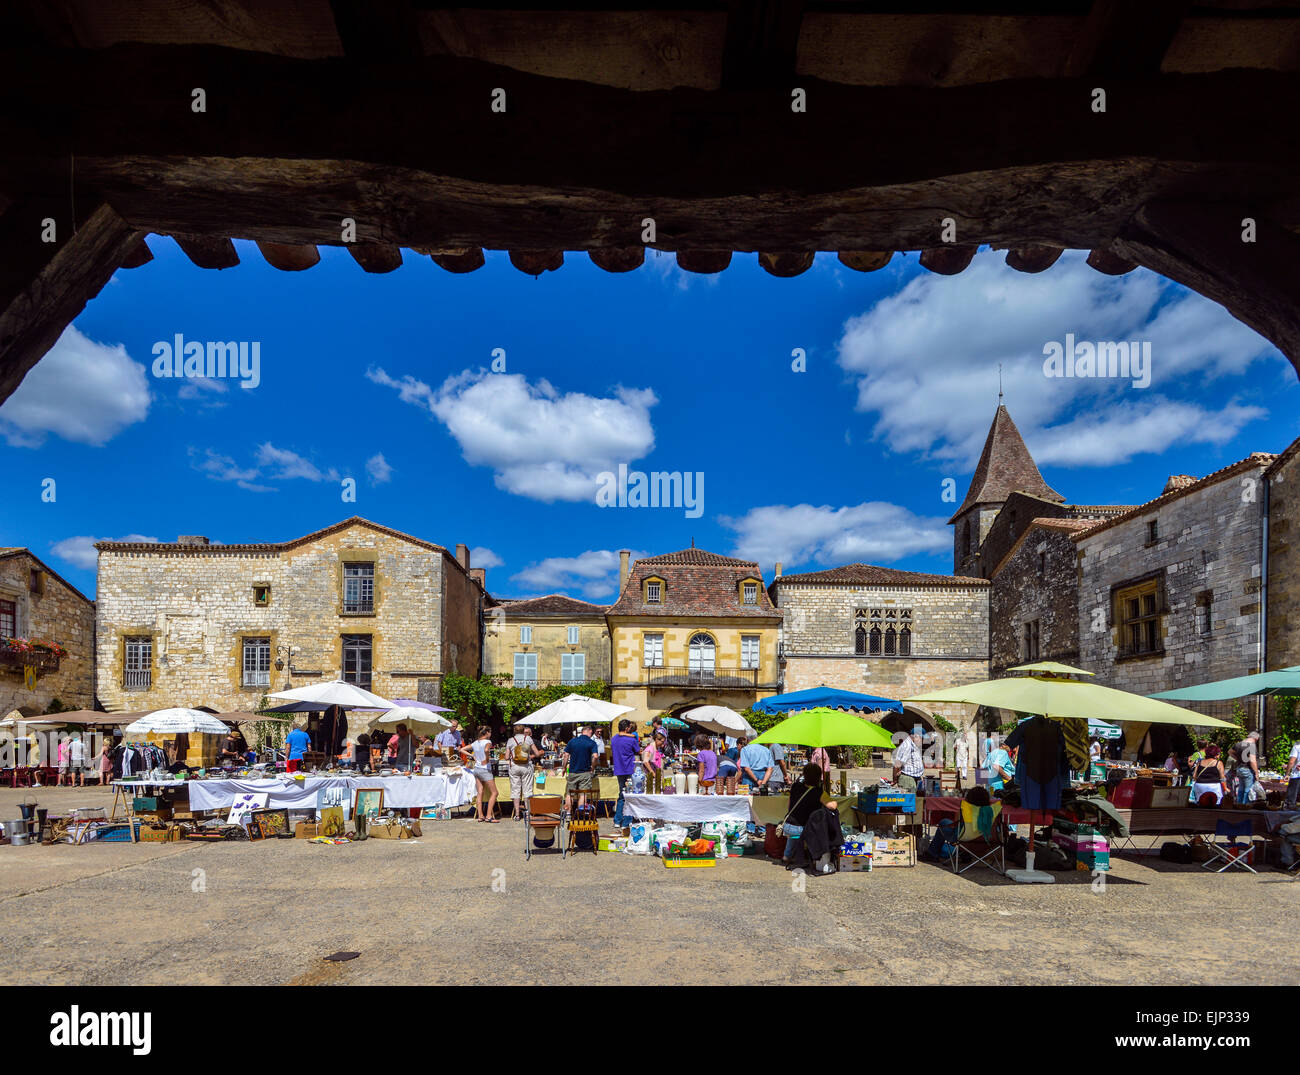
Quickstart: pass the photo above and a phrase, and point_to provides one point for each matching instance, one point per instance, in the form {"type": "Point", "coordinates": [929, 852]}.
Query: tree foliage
{"type": "Point", "coordinates": [495, 700]}
{"type": "Point", "coordinates": [1288, 733]}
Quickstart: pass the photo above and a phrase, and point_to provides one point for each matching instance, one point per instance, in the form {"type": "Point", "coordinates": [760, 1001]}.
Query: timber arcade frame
{"type": "Point", "coordinates": [776, 127]}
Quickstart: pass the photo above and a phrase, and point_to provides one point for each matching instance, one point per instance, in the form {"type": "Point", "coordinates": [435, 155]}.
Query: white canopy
{"type": "Point", "coordinates": [575, 709]}
{"type": "Point", "coordinates": [176, 722]}
{"type": "Point", "coordinates": [417, 720]}
{"type": "Point", "coordinates": [720, 719]}
{"type": "Point", "coordinates": [335, 692]}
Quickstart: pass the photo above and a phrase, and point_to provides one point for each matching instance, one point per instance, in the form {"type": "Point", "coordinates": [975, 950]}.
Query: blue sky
{"type": "Point", "coordinates": [386, 379]}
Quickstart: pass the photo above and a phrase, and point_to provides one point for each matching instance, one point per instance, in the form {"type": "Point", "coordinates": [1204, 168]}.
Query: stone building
{"type": "Point", "coordinates": [195, 623]}
{"type": "Point", "coordinates": [1282, 566]}
{"type": "Point", "coordinates": [886, 632]}
{"type": "Point", "coordinates": [692, 628]}
{"type": "Point", "coordinates": [1170, 591]}
{"type": "Point", "coordinates": [546, 640]}
{"type": "Point", "coordinates": [36, 603]}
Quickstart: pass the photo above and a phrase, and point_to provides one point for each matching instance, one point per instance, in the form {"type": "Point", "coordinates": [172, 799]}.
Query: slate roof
{"type": "Point", "coordinates": [871, 575]}
{"type": "Point", "coordinates": [696, 583]}
{"type": "Point", "coordinates": [1005, 467]}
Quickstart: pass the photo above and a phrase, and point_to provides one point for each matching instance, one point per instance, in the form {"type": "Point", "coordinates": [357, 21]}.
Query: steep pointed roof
{"type": "Point", "coordinates": [1005, 467]}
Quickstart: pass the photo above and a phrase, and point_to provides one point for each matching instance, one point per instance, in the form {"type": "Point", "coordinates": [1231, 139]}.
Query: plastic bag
{"type": "Point", "coordinates": [661, 838]}
{"type": "Point", "coordinates": [638, 839]}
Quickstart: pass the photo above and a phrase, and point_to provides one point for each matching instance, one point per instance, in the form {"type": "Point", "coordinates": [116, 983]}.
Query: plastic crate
{"type": "Point", "coordinates": [689, 861]}
{"type": "Point", "coordinates": [876, 800]}
{"type": "Point", "coordinates": [117, 833]}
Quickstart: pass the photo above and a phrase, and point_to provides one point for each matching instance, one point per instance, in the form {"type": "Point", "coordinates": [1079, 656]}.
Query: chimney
{"type": "Point", "coordinates": [479, 575]}
{"type": "Point", "coordinates": [192, 539]}
{"type": "Point", "coordinates": [777, 573]}
{"type": "Point", "coordinates": [623, 555]}
{"type": "Point", "coordinates": [462, 556]}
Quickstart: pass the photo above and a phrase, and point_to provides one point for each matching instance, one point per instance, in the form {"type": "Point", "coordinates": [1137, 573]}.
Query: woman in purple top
{"type": "Point", "coordinates": [708, 762]}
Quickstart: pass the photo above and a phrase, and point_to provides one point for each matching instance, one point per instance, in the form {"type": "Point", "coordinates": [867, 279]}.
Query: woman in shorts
{"type": "Point", "coordinates": [729, 769]}
{"type": "Point", "coordinates": [482, 749]}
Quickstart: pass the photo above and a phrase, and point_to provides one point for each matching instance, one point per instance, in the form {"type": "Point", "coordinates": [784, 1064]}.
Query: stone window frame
{"type": "Point", "coordinates": [1150, 584]}
{"type": "Point", "coordinates": [1205, 626]}
{"type": "Point", "coordinates": [140, 636]}
{"type": "Point", "coordinates": [758, 651]}
{"type": "Point", "coordinates": [645, 636]}
{"type": "Point", "coordinates": [244, 640]}
{"type": "Point", "coordinates": [344, 641]}
{"type": "Point", "coordinates": [1152, 532]}
{"type": "Point", "coordinates": [265, 587]}
{"type": "Point", "coordinates": [661, 592]}
{"type": "Point", "coordinates": [1031, 639]}
{"type": "Point", "coordinates": [358, 558]}
{"type": "Point", "coordinates": [16, 630]}
{"type": "Point", "coordinates": [892, 631]}
{"type": "Point", "coordinates": [744, 585]}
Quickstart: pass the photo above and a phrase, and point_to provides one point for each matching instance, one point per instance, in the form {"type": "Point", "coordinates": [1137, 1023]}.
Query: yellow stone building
{"type": "Point", "coordinates": [692, 628]}
{"type": "Point", "coordinates": [545, 641]}
{"type": "Point", "coordinates": [192, 623]}
{"type": "Point", "coordinates": [36, 603]}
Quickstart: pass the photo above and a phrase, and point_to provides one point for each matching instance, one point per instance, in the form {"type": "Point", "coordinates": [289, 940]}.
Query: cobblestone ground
{"type": "Point", "coordinates": [462, 906]}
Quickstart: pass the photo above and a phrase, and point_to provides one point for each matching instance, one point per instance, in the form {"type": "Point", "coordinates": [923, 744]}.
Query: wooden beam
{"type": "Point", "coordinates": [43, 286]}
{"type": "Point", "coordinates": [761, 44]}
{"type": "Point", "coordinates": [458, 261]}
{"type": "Point", "coordinates": [536, 262]}
{"type": "Point", "coordinates": [1201, 246]}
{"type": "Point", "coordinates": [787, 263]}
{"type": "Point", "coordinates": [1033, 257]}
{"type": "Point", "coordinates": [376, 257]}
{"type": "Point", "coordinates": [289, 257]}
{"type": "Point", "coordinates": [948, 260]}
{"type": "Point", "coordinates": [208, 251]}
{"type": "Point", "coordinates": [1105, 260]}
{"type": "Point", "coordinates": [707, 262]}
{"type": "Point", "coordinates": [140, 254]}
{"type": "Point", "coordinates": [618, 258]}
{"type": "Point", "coordinates": [1121, 38]}
{"type": "Point", "coordinates": [865, 260]}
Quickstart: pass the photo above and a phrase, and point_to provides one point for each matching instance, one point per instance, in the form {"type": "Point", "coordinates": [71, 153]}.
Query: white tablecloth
{"type": "Point", "coordinates": [400, 792]}
{"type": "Point", "coordinates": [690, 807]}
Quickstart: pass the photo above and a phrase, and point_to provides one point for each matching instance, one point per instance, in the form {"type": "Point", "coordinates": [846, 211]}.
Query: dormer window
{"type": "Point", "coordinates": [654, 591]}
{"type": "Point", "coordinates": [749, 591]}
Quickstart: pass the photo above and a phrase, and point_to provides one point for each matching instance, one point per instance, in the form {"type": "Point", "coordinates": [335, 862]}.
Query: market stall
{"type": "Point", "coordinates": [691, 808]}
{"type": "Point", "coordinates": [450, 788]}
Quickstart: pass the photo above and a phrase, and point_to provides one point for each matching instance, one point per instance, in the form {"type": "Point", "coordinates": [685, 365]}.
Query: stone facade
{"type": "Point", "coordinates": [549, 620]}
{"type": "Point", "coordinates": [1282, 644]}
{"type": "Point", "coordinates": [197, 603]}
{"type": "Point", "coordinates": [48, 608]}
{"type": "Point", "coordinates": [1202, 568]}
{"type": "Point", "coordinates": [949, 633]}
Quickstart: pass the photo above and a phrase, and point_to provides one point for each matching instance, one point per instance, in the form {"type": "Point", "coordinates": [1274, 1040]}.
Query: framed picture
{"type": "Point", "coordinates": [271, 823]}
{"type": "Point", "coordinates": [333, 795]}
{"type": "Point", "coordinates": [331, 821]}
{"type": "Point", "coordinates": [368, 802]}
{"type": "Point", "coordinates": [244, 806]}
{"type": "Point", "coordinates": [434, 813]}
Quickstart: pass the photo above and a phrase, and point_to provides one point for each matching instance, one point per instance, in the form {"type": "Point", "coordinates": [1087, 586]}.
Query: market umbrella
{"type": "Point", "coordinates": [824, 697]}
{"type": "Point", "coordinates": [576, 709]}
{"type": "Point", "coordinates": [414, 703]}
{"type": "Point", "coordinates": [335, 692]}
{"type": "Point", "coordinates": [674, 722]}
{"type": "Point", "coordinates": [720, 719]}
{"type": "Point", "coordinates": [93, 716]}
{"type": "Point", "coordinates": [177, 722]}
{"type": "Point", "coordinates": [827, 728]}
{"type": "Point", "coordinates": [1282, 682]}
{"type": "Point", "coordinates": [417, 720]}
{"type": "Point", "coordinates": [1102, 730]}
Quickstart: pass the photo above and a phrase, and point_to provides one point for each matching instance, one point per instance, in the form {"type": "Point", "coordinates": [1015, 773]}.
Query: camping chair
{"type": "Point", "coordinates": [1231, 853]}
{"type": "Point", "coordinates": [543, 816]}
{"type": "Point", "coordinates": [984, 847]}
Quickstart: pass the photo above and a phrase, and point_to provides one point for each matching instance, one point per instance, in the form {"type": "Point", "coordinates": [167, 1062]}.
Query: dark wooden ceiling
{"type": "Point", "coordinates": [380, 111]}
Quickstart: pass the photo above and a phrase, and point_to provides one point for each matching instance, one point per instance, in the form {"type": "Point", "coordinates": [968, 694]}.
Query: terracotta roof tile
{"type": "Point", "coordinates": [554, 604]}
{"type": "Point", "coordinates": [1005, 467]}
{"type": "Point", "coordinates": [871, 575]}
{"type": "Point", "coordinates": [696, 583]}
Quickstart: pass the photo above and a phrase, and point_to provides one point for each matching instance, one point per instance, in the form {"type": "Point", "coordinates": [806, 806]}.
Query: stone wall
{"type": "Point", "coordinates": [1021, 593]}
{"type": "Point", "coordinates": [197, 605]}
{"type": "Point", "coordinates": [550, 641]}
{"type": "Point", "coordinates": [1208, 541]}
{"type": "Point", "coordinates": [58, 614]}
{"type": "Point", "coordinates": [1283, 641]}
{"type": "Point", "coordinates": [981, 519]}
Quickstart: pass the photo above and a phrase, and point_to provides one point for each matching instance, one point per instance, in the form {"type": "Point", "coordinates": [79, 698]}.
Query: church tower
{"type": "Point", "coordinates": [1005, 467]}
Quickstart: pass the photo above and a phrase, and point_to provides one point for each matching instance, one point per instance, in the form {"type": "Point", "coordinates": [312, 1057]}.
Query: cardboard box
{"type": "Point", "coordinates": [159, 836]}
{"type": "Point", "coordinates": [1170, 796]}
{"type": "Point", "coordinates": [896, 851]}
{"type": "Point", "coordinates": [392, 830]}
{"type": "Point", "coordinates": [855, 864]}
{"type": "Point", "coordinates": [306, 830]}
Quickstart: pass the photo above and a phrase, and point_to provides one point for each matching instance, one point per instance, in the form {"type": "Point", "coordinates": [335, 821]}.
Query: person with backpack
{"type": "Point", "coordinates": [521, 752]}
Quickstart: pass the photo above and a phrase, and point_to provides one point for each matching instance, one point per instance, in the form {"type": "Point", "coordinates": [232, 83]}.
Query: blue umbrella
{"type": "Point", "coordinates": [825, 697]}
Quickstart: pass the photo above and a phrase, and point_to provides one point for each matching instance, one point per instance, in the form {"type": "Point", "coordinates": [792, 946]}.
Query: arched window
{"type": "Point", "coordinates": [905, 642]}
{"type": "Point", "coordinates": [702, 652]}
{"type": "Point", "coordinates": [891, 642]}
{"type": "Point", "coordinates": [860, 641]}
{"type": "Point", "coordinates": [875, 641]}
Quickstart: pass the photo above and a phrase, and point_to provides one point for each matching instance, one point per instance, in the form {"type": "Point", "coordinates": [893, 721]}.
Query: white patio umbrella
{"type": "Point", "coordinates": [417, 720]}
{"type": "Point", "coordinates": [176, 722]}
{"type": "Point", "coordinates": [576, 709]}
{"type": "Point", "coordinates": [335, 692]}
{"type": "Point", "coordinates": [720, 719]}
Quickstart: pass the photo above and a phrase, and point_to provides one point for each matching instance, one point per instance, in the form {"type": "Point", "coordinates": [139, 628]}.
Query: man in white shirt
{"type": "Point", "coordinates": [961, 759]}
{"type": "Point", "coordinates": [909, 768]}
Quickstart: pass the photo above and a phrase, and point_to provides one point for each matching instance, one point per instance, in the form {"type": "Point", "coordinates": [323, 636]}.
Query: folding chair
{"type": "Point", "coordinates": [543, 815]}
{"type": "Point", "coordinates": [1231, 853]}
{"type": "Point", "coordinates": [984, 846]}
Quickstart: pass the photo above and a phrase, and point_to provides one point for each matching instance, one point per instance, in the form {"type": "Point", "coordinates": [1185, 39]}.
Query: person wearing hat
{"type": "Point", "coordinates": [1247, 767]}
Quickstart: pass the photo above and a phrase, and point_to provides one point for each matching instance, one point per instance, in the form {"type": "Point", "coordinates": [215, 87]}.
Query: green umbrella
{"type": "Point", "coordinates": [1282, 682]}
{"type": "Point", "coordinates": [827, 728]}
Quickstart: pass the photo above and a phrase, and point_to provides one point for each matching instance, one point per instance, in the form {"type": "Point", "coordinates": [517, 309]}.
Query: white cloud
{"type": "Point", "coordinates": [874, 532]}
{"type": "Point", "coordinates": [482, 556]}
{"type": "Point", "coordinates": [194, 387]}
{"type": "Point", "coordinates": [926, 358]}
{"type": "Point", "coordinates": [223, 468]}
{"type": "Point", "coordinates": [80, 551]}
{"type": "Point", "coordinates": [81, 390]}
{"type": "Point", "coordinates": [273, 464]}
{"type": "Point", "coordinates": [541, 443]}
{"type": "Point", "coordinates": [379, 469]}
{"type": "Point", "coordinates": [287, 464]}
{"type": "Point", "coordinates": [593, 573]}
